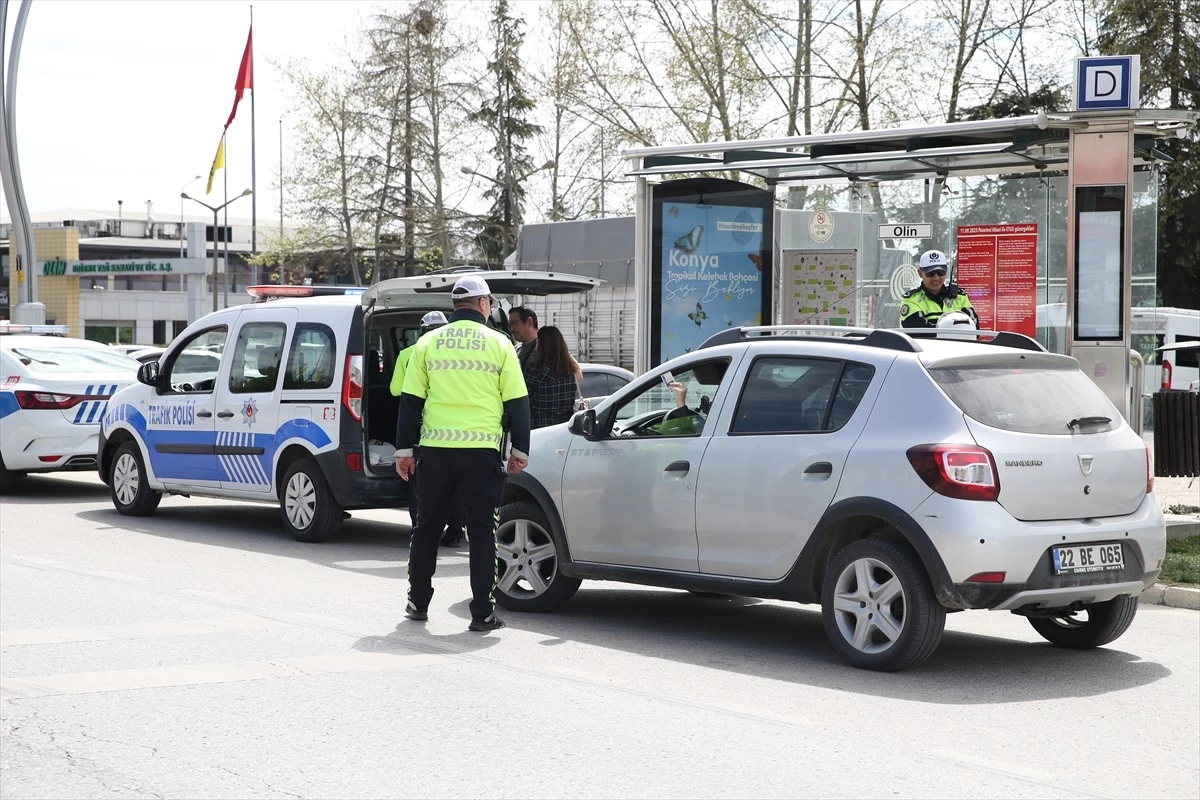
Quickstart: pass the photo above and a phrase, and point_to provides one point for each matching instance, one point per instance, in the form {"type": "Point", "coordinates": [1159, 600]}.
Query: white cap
{"type": "Point", "coordinates": [433, 318]}
{"type": "Point", "coordinates": [470, 286]}
{"type": "Point", "coordinates": [933, 259]}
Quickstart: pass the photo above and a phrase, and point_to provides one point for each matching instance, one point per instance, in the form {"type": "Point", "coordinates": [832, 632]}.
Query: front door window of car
{"type": "Point", "coordinates": [799, 395]}
{"type": "Point", "coordinates": [195, 365]}
{"type": "Point", "coordinates": [256, 358]}
{"type": "Point", "coordinates": [655, 411]}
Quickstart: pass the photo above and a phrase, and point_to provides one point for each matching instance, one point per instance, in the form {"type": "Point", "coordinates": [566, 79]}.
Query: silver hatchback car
{"type": "Point", "coordinates": [889, 476]}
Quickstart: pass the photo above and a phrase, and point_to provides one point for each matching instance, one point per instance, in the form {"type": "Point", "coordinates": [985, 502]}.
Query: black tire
{"type": "Point", "coordinates": [1105, 622]}
{"type": "Point", "coordinates": [310, 511]}
{"type": "Point", "coordinates": [8, 478]}
{"type": "Point", "coordinates": [515, 565]}
{"type": "Point", "coordinates": [128, 485]}
{"type": "Point", "coordinates": [905, 624]}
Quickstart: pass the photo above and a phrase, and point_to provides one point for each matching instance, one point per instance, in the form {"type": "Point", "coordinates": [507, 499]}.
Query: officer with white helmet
{"type": "Point", "coordinates": [453, 535]}
{"type": "Point", "coordinates": [923, 306]}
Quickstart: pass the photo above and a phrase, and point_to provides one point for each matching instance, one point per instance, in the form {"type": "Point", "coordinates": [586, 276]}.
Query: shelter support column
{"type": "Point", "coordinates": [1100, 255]}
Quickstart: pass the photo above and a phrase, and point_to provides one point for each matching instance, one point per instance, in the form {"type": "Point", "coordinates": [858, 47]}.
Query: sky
{"type": "Point", "coordinates": [121, 100]}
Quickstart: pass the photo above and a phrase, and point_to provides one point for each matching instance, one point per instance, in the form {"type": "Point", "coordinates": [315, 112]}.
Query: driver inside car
{"type": "Point", "coordinates": [681, 420]}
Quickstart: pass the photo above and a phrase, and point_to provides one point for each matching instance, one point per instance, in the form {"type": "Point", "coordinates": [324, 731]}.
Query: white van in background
{"type": "Point", "coordinates": [1151, 330]}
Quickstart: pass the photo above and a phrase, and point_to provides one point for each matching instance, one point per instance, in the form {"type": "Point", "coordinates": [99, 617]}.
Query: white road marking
{"type": "Point", "coordinates": [195, 674]}
{"type": "Point", "coordinates": [368, 565]}
{"type": "Point", "coordinates": [137, 630]}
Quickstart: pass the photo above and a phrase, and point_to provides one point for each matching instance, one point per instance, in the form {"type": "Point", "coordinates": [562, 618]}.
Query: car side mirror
{"type": "Point", "coordinates": [148, 373]}
{"type": "Point", "coordinates": [584, 424]}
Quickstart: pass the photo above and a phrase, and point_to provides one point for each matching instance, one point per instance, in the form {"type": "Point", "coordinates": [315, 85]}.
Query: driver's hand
{"type": "Point", "coordinates": [680, 392]}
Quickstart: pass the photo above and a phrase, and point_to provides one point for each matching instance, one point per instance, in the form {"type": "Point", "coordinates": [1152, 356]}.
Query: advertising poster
{"type": "Point", "coordinates": [1098, 280]}
{"type": "Point", "coordinates": [819, 286]}
{"type": "Point", "coordinates": [996, 265]}
{"type": "Point", "coordinates": [712, 272]}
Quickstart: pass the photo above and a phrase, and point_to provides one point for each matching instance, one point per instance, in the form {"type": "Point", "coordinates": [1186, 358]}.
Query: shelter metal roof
{"type": "Point", "coordinates": [1037, 142]}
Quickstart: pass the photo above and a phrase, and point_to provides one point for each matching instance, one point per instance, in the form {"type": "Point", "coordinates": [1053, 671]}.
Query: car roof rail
{"type": "Point", "coordinates": [871, 337]}
{"type": "Point", "coordinates": [999, 338]}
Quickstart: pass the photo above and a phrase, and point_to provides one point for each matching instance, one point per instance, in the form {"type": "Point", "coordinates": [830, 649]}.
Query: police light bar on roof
{"type": "Point", "coordinates": [269, 292]}
{"type": "Point", "coordinates": [39, 330]}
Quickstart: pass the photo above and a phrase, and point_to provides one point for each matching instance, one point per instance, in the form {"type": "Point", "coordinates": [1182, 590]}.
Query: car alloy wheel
{"type": "Point", "coordinates": [126, 478]}
{"type": "Point", "coordinates": [300, 501]}
{"type": "Point", "coordinates": [529, 557]}
{"type": "Point", "coordinates": [869, 606]}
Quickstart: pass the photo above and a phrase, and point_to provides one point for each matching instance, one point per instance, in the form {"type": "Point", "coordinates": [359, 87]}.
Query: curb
{"type": "Point", "coordinates": [1176, 596]}
{"type": "Point", "coordinates": [1181, 526]}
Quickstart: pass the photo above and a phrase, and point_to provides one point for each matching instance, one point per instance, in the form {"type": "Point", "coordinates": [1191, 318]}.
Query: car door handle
{"type": "Point", "coordinates": [678, 466]}
{"type": "Point", "coordinates": [206, 414]}
{"type": "Point", "coordinates": [821, 469]}
{"type": "Point", "coordinates": [224, 414]}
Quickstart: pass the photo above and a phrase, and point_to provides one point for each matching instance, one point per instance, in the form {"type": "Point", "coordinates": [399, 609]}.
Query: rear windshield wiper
{"type": "Point", "coordinates": [1081, 421]}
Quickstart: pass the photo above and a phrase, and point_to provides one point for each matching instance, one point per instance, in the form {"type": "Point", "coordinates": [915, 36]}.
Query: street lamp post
{"type": "Point", "coordinates": [215, 211]}
{"type": "Point", "coordinates": [506, 198]}
{"type": "Point", "coordinates": [182, 189]}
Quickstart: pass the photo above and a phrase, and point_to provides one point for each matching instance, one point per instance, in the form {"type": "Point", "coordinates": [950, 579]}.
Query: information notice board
{"type": "Point", "coordinates": [821, 286]}
{"type": "Point", "coordinates": [996, 265]}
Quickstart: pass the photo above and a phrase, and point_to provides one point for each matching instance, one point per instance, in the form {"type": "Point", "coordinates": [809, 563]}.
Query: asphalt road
{"type": "Point", "coordinates": [200, 652]}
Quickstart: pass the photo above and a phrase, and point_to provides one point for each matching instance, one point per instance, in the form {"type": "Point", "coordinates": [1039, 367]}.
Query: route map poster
{"type": "Point", "coordinates": [712, 273]}
{"type": "Point", "coordinates": [820, 286]}
{"type": "Point", "coordinates": [996, 265]}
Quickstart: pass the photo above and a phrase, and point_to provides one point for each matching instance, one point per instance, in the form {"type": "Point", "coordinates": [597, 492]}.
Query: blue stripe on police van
{"type": "Point", "coordinates": [246, 469]}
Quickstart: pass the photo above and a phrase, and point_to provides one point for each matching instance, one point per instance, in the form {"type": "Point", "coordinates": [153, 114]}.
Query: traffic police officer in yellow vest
{"type": "Point", "coordinates": [453, 537]}
{"type": "Point", "coordinates": [431, 321]}
{"type": "Point", "coordinates": [461, 381]}
{"type": "Point", "coordinates": [923, 306]}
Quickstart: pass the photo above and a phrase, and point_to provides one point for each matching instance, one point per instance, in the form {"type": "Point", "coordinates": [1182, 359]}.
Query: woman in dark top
{"type": "Point", "coordinates": [552, 377]}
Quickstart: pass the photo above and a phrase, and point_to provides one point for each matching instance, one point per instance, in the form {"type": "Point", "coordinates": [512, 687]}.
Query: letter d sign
{"type": "Point", "coordinates": [1106, 83]}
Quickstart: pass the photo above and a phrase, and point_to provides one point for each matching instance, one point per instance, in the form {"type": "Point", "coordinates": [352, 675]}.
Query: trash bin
{"type": "Point", "coordinates": [1176, 434]}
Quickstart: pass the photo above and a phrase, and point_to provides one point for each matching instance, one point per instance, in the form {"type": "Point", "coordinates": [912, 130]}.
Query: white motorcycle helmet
{"type": "Point", "coordinates": [957, 320]}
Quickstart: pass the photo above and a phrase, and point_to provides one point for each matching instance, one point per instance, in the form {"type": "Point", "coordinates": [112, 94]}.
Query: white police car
{"type": "Point", "coordinates": [53, 393]}
{"type": "Point", "coordinates": [295, 410]}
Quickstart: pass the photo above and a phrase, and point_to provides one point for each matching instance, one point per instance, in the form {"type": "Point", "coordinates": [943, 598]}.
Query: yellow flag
{"type": "Point", "coordinates": [218, 163]}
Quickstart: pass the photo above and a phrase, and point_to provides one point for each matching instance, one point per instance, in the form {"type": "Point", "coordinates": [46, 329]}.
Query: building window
{"type": "Point", "coordinates": [177, 327]}
{"type": "Point", "coordinates": [160, 331]}
{"type": "Point", "coordinates": [109, 332]}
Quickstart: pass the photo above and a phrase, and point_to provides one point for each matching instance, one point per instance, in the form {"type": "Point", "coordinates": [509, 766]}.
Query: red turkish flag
{"type": "Point", "coordinates": [245, 76]}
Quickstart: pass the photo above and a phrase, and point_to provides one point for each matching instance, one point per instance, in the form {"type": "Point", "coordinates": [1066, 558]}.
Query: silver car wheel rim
{"type": "Point", "coordinates": [869, 606]}
{"type": "Point", "coordinates": [528, 556]}
{"type": "Point", "coordinates": [126, 480]}
{"type": "Point", "coordinates": [300, 501]}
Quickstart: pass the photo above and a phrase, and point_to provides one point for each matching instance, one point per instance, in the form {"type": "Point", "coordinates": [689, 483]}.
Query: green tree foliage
{"type": "Point", "coordinates": [506, 114]}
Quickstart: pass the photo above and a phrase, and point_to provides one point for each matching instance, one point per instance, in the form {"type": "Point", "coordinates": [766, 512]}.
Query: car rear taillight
{"type": "Point", "coordinates": [352, 386]}
{"type": "Point", "coordinates": [1166, 376]}
{"type": "Point", "coordinates": [1149, 468]}
{"type": "Point", "coordinates": [35, 400]}
{"type": "Point", "coordinates": [962, 471]}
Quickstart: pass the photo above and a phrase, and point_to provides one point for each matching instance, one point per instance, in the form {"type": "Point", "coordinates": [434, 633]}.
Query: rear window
{"type": "Point", "coordinates": [1028, 400]}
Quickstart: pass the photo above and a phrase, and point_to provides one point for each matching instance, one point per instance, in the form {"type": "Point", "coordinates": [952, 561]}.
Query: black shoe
{"type": "Point", "coordinates": [491, 623]}
{"type": "Point", "coordinates": [449, 540]}
{"type": "Point", "coordinates": [416, 614]}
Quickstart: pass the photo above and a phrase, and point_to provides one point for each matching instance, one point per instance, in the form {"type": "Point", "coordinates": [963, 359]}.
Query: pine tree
{"type": "Point", "coordinates": [506, 115]}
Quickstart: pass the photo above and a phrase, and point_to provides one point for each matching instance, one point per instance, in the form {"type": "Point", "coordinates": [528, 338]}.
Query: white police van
{"type": "Point", "coordinates": [296, 410]}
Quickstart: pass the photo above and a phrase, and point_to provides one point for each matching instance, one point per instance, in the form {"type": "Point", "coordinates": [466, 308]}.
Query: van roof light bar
{"type": "Point", "coordinates": [7, 327]}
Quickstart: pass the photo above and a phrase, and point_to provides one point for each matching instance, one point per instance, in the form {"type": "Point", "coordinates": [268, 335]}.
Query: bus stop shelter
{"type": "Point", "coordinates": [1071, 198]}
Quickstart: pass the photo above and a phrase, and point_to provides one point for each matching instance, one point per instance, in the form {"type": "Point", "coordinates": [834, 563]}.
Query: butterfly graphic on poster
{"type": "Point", "coordinates": [698, 316]}
{"type": "Point", "coordinates": [690, 240]}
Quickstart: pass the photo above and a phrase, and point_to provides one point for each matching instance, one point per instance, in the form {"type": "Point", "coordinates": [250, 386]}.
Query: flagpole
{"type": "Point", "coordinates": [253, 161]}
{"type": "Point", "coordinates": [225, 235]}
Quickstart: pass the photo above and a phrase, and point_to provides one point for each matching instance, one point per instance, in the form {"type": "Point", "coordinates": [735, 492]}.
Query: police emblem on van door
{"type": "Point", "coordinates": [249, 412]}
